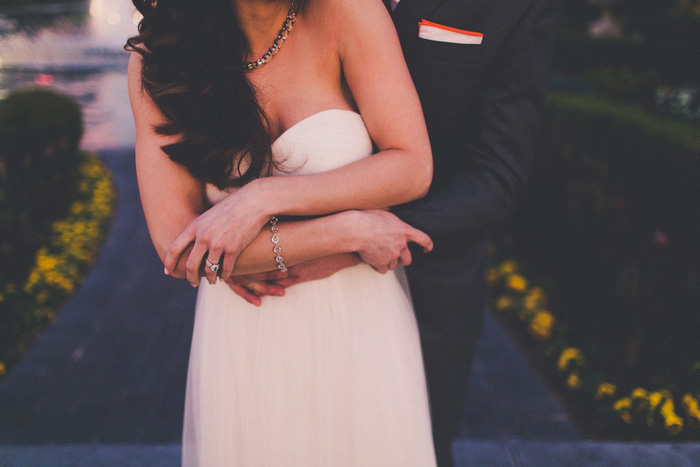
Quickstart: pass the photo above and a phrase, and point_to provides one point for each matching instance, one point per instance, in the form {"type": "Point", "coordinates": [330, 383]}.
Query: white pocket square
{"type": "Point", "coordinates": [440, 33]}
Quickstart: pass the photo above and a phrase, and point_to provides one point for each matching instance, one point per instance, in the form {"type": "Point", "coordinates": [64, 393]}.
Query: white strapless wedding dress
{"type": "Point", "coordinates": [328, 375]}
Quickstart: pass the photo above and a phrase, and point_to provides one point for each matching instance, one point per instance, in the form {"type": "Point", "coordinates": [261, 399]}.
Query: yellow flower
{"type": "Point", "coordinates": [3, 370]}
{"type": "Point", "coordinates": [689, 401]}
{"type": "Point", "coordinates": [46, 263]}
{"type": "Point", "coordinates": [517, 283]}
{"type": "Point", "coordinates": [654, 399]}
{"type": "Point", "coordinates": [622, 404]}
{"type": "Point", "coordinates": [692, 409]}
{"type": "Point", "coordinates": [90, 169]}
{"type": "Point", "coordinates": [541, 325]}
{"type": "Point", "coordinates": [667, 408]}
{"type": "Point", "coordinates": [573, 381]}
{"type": "Point", "coordinates": [568, 355]}
{"type": "Point", "coordinates": [508, 267]}
{"type": "Point", "coordinates": [605, 390]}
{"type": "Point", "coordinates": [624, 408]}
{"type": "Point", "coordinates": [674, 424]}
{"type": "Point", "coordinates": [535, 298]}
{"type": "Point", "coordinates": [503, 303]}
{"type": "Point", "coordinates": [640, 397]}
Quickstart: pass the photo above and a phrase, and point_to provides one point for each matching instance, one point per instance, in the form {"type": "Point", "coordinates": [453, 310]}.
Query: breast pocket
{"type": "Point", "coordinates": [428, 50]}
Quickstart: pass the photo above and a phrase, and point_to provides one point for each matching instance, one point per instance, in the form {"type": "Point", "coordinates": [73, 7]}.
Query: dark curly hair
{"type": "Point", "coordinates": [192, 68]}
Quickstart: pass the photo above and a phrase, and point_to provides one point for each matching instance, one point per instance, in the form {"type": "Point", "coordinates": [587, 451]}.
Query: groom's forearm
{"type": "Point", "coordinates": [468, 203]}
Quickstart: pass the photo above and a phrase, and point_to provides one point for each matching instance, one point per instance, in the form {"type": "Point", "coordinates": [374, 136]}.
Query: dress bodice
{"type": "Point", "coordinates": [323, 141]}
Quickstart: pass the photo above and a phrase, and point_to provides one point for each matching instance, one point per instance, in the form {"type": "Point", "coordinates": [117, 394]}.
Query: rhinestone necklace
{"type": "Point", "coordinates": [277, 44]}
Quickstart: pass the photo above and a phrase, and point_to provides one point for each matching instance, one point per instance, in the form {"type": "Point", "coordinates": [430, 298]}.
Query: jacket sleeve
{"type": "Point", "coordinates": [488, 188]}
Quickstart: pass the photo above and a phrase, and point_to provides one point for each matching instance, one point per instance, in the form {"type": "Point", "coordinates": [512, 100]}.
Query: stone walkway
{"type": "Point", "coordinates": [104, 386]}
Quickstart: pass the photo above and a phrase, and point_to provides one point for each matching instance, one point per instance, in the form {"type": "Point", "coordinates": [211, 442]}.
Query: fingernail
{"type": "Point", "coordinates": [166, 272]}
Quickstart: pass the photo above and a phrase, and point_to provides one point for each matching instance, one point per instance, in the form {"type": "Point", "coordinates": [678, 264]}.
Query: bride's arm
{"type": "Point", "coordinates": [172, 199]}
{"type": "Point", "coordinates": [374, 68]}
{"type": "Point", "coordinates": [376, 73]}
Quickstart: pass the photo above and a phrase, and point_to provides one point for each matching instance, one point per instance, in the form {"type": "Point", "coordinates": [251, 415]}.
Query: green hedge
{"type": "Point", "coordinates": [55, 204]}
{"type": "Point", "coordinates": [610, 234]}
{"type": "Point", "coordinates": [39, 136]}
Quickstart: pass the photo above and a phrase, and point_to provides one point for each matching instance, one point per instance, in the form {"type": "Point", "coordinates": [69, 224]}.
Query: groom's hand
{"type": "Point", "coordinates": [318, 268]}
{"type": "Point", "coordinates": [254, 286]}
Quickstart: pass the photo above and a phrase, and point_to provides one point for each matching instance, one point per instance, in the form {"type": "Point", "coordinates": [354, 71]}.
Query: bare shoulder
{"type": "Point", "coordinates": [142, 106]}
{"type": "Point", "coordinates": [346, 18]}
{"type": "Point", "coordinates": [351, 22]}
{"type": "Point", "coordinates": [133, 71]}
{"type": "Point", "coordinates": [134, 86]}
{"type": "Point", "coordinates": [349, 10]}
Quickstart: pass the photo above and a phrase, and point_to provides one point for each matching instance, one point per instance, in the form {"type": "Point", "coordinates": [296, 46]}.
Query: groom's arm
{"type": "Point", "coordinates": [510, 121]}
{"type": "Point", "coordinates": [471, 200]}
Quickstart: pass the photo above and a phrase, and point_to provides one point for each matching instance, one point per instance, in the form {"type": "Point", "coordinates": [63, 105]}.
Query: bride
{"type": "Point", "coordinates": [247, 111]}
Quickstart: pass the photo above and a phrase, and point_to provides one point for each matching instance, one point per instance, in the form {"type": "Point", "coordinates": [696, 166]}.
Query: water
{"type": "Point", "coordinates": [76, 50]}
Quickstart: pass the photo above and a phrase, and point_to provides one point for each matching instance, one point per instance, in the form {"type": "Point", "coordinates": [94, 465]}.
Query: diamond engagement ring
{"type": "Point", "coordinates": [212, 266]}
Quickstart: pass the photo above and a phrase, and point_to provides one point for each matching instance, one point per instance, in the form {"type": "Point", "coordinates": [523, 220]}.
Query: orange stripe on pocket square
{"type": "Point", "coordinates": [440, 33]}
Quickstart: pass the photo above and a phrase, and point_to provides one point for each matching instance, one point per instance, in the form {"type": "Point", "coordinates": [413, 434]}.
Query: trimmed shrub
{"type": "Point", "coordinates": [610, 233]}
{"type": "Point", "coordinates": [39, 137]}
{"type": "Point", "coordinates": [55, 206]}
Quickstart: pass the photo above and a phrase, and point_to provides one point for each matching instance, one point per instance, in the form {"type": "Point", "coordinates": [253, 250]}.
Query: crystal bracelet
{"type": "Point", "coordinates": [276, 249]}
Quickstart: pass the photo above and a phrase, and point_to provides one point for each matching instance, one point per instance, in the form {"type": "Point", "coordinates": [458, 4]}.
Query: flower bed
{"type": "Point", "coordinates": [27, 306]}
{"type": "Point", "coordinates": [610, 237]}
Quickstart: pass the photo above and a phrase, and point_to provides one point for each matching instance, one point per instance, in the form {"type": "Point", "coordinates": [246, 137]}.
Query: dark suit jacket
{"type": "Point", "coordinates": [483, 106]}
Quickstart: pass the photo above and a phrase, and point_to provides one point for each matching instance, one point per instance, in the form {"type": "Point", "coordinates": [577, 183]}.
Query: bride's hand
{"type": "Point", "coordinates": [385, 240]}
{"type": "Point", "coordinates": [221, 233]}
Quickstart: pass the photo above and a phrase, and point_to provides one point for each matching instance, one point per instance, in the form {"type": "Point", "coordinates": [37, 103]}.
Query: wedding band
{"type": "Point", "coordinates": [212, 266]}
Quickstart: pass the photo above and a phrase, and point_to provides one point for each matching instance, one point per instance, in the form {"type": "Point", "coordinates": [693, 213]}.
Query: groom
{"type": "Point", "coordinates": [483, 97]}
{"type": "Point", "coordinates": [481, 69]}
